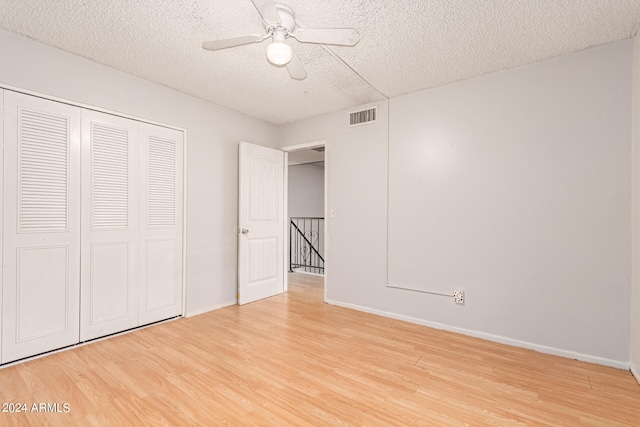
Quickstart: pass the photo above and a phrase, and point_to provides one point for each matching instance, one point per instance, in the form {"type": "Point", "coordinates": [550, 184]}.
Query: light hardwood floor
{"type": "Point", "coordinates": [292, 360]}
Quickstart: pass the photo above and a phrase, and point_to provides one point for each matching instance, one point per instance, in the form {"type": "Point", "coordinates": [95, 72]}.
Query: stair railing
{"type": "Point", "coordinates": [306, 244]}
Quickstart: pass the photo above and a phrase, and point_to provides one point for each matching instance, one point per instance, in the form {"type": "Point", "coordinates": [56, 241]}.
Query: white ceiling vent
{"type": "Point", "coordinates": [363, 117]}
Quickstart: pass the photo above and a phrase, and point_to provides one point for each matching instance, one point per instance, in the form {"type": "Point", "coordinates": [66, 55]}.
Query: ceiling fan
{"type": "Point", "coordinates": [279, 23]}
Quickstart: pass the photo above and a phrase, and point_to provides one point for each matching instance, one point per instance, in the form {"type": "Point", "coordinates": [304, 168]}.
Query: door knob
{"type": "Point", "coordinates": [245, 231]}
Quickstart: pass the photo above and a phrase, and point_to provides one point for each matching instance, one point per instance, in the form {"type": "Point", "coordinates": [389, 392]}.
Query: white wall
{"type": "Point", "coordinates": [213, 134]}
{"type": "Point", "coordinates": [635, 289]}
{"type": "Point", "coordinates": [522, 179]}
{"type": "Point", "coordinates": [306, 190]}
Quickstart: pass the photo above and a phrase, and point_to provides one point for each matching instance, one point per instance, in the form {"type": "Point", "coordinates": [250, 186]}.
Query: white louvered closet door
{"type": "Point", "coordinates": [109, 270]}
{"type": "Point", "coordinates": [41, 226]}
{"type": "Point", "coordinates": [1, 215]}
{"type": "Point", "coordinates": [160, 230]}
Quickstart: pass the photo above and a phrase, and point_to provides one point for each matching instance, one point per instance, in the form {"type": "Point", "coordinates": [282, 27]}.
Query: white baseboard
{"type": "Point", "coordinates": [634, 372]}
{"type": "Point", "coordinates": [308, 273]}
{"type": "Point", "coordinates": [211, 308]}
{"type": "Point", "coordinates": [490, 337]}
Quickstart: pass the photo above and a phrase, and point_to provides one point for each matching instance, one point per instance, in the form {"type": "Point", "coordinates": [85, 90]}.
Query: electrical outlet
{"type": "Point", "coordinates": [458, 296]}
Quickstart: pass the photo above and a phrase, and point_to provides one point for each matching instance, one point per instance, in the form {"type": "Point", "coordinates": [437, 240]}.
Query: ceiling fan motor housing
{"type": "Point", "coordinates": [287, 18]}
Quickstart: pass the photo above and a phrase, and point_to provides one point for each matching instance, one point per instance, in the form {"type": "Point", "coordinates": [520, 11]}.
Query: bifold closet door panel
{"type": "Point", "coordinates": [161, 155]}
{"type": "Point", "coordinates": [1, 198]}
{"type": "Point", "coordinates": [41, 226]}
{"type": "Point", "coordinates": [109, 269]}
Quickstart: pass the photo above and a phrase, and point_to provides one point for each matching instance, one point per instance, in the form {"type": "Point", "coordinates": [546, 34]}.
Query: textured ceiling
{"type": "Point", "coordinates": [405, 45]}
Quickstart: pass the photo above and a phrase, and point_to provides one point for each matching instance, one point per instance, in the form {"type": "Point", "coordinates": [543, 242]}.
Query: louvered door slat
{"type": "Point", "coordinates": [161, 182]}
{"type": "Point", "coordinates": [110, 177]}
{"type": "Point", "coordinates": [43, 165]}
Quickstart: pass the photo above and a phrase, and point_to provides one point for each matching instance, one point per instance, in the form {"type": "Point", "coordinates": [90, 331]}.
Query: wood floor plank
{"type": "Point", "coordinates": [292, 360]}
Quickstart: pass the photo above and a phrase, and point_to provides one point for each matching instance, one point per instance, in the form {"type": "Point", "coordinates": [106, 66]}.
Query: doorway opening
{"type": "Point", "coordinates": [305, 207]}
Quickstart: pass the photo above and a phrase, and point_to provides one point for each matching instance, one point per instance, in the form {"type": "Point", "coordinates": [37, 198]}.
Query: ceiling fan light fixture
{"type": "Point", "coordinates": [279, 53]}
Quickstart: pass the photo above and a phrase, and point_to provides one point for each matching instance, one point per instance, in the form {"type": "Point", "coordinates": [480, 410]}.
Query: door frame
{"type": "Point", "coordinates": [285, 211]}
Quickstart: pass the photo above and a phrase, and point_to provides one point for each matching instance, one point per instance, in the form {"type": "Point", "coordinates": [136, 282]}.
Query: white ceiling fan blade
{"type": "Point", "coordinates": [267, 9]}
{"type": "Point", "coordinates": [295, 68]}
{"type": "Point", "coordinates": [334, 36]}
{"type": "Point", "coordinates": [232, 42]}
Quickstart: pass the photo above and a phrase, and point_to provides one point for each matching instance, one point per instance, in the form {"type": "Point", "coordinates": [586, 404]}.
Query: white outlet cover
{"type": "Point", "coordinates": [458, 296]}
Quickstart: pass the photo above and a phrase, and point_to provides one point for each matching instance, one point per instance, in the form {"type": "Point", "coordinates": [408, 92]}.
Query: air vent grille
{"type": "Point", "coordinates": [363, 117]}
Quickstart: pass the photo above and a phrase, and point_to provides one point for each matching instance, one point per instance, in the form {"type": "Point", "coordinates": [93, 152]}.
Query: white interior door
{"type": "Point", "coordinates": [109, 262]}
{"type": "Point", "coordinates": [260, 216]}
{"type": "Point", "coordinates": [161, 192]}
{"type": "Point", "coordinates": [41, 225]}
